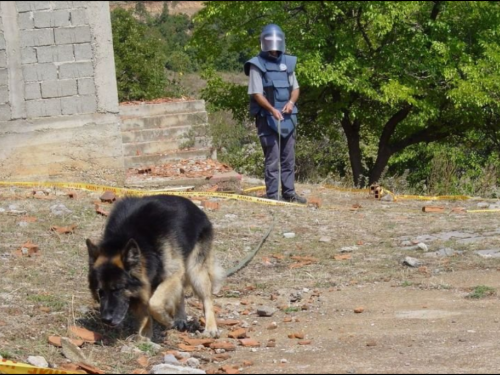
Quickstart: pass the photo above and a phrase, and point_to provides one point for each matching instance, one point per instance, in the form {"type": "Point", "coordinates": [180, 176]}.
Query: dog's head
{"type": "Point", "coordinates": [113, 281]}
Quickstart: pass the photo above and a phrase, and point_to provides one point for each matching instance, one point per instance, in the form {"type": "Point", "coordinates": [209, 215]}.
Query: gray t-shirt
{"type": "Point", "coordinates": [255, 81]}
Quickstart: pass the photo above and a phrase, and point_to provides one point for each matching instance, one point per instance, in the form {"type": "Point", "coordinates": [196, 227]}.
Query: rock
{"type": "Point", "coordinates": [193, 363]}
{"type": "Point", "coordinates": [423, 246]}
{"type": "Point", "coordinates": [412, 262]}
{"type": "Point", "coordinates": [446, 252]}
{"type": "Point", "coordinates": [325, 239]}
{"type": "Point", "coordinates": [488, 253]}
{"type": "Point", "coordinates": [38, 361]}
{"type": "Point", "coordinates": [60, 209]}
{"type": "Point", "coordinates": [72, 352]}
{"type": "Point", "coordinates": [171, 369]}
{"type": "Point", "coordinates": [348, 249]}
{"type": "Point", "coordinates": [265, 311]}
{"type": "Point", "coordinates": [170, 359]}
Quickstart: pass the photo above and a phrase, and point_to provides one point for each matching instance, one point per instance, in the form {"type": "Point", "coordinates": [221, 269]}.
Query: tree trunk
{"type": "Point", "coordinates": [351, 130]}
{"type": "Point", "coordinates": [384, 147]}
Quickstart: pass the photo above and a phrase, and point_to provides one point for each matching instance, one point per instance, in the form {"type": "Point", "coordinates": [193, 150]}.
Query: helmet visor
{"type": "Point", "coordinates": [273, 41]}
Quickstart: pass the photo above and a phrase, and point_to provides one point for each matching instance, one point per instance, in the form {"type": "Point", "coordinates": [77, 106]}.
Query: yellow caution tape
{"type": "Point", "coordinates": [351, 190]}
{"type": "Point", "coordinates": [11, 367]}
{"type": "Point", "coordinates": [257, 188]}
{"type": "Point", "coordinates": [477, 211]}
{"type": "Point", "coordinates": [433, 198]}
{"type": "Point", "coordinates": [133, 192]}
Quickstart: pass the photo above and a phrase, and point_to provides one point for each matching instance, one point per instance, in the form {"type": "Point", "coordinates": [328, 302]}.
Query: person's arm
{"type": "Point", "coordinates": [294, 96]}
{"type": "Point", "coordinates": [264, 103]}
{"type": "Point", "coordinates": [288, 108]}
{"type": "Point", "coordinates": [256, 89]}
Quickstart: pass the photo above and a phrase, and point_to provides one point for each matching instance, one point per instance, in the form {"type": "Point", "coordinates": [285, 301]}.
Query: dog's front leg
{"type": "Point", "coordinates": [141, 311]}
{"type": "Point", "coordinates": [165, 302]}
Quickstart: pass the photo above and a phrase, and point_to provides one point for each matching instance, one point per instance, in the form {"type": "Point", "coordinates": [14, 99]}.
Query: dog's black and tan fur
{"type": "Point", "coordinates": [152, 248]}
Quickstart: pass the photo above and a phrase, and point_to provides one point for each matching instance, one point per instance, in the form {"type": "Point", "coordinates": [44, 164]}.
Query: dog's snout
{"type": "Point", "coordinates": [107, 319]}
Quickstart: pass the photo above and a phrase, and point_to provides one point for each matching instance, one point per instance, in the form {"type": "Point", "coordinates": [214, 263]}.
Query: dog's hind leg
{"type": "Point", "coordinates": [200, 274]}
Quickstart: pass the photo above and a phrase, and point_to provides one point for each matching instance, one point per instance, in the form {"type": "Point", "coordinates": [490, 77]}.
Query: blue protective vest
{"type": "Point", "coordinates": [277, 90]}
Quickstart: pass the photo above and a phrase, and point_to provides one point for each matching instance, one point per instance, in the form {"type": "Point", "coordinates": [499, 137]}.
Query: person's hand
{"type": "Point", "coordinates": [288, 108]}
{"type": "Point", "coordinates": [277, 114]}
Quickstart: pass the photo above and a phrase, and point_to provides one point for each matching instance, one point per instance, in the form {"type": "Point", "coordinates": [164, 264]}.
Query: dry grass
{"type": "Point", "coordinates": [45, 294]}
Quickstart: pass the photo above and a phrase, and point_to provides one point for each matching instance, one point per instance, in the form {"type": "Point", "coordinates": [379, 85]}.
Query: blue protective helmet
{"type": "Point", "coordinates": [272, 38]}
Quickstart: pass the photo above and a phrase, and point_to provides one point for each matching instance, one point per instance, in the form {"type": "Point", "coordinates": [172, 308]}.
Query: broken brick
{"type": "Point", "coordinates": [209, 205]}
{"type": "Point", "coordinates": [100, 211]}
{"type": "Point", "coordinates": [85, 334]}
{"type": "Point", "coordinates": [221, 357]}
{"type": "Point", "coordinates": [249, 343]}
{"type": "Point", "coordinates": [227, 346]}
{"type": "Point", "coordinates": [305, 342]}
{"type": "Point", "coordinates": [342, 257]}
{"type": "Point", "coordinates": [187, 348]}
{"type": "Point", "coordinates": [315, 202]}
{"type": "Point", "coordinates": [437, 209]}
{"type": "Point", "coordinates": [143, 361]}
{"type": "Point", "coordinates": [238, 334]}
{"type": "Point", "coordinates": [108, 197]}
{"type": "Point", "coordinates": [63, 230]}
{"type": "Point", "coordinates": [198, 342]}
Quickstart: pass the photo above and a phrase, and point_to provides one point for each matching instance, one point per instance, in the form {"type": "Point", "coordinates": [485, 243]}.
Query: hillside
{"type": "Point", "coordinates": [156, 7]}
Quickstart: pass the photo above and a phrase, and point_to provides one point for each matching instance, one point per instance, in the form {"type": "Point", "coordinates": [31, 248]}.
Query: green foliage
{"type": "Point", "coordinates": [236, 145]}
{"type": "Point", "coordinates": [481, 291]}
{"type": "Point", "coordinates": [139, 58]}
{"type": "Point", "coordinates": [390, 75]}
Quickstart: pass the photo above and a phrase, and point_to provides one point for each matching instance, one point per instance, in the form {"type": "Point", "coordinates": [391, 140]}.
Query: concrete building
{"type": "Point", "coordinates": [59, 112]}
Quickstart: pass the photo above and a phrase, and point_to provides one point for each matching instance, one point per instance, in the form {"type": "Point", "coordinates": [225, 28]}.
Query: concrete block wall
{"type": "Point", "coordinates": [56, 62]}
{"type": "Point", "coordinates": [56, 55]}
{"type": "Point", "coordinates": [4, 94]}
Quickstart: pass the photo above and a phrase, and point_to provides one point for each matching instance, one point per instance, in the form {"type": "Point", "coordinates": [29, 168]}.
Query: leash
{"type": "Point", "coordinates": [246, 261]}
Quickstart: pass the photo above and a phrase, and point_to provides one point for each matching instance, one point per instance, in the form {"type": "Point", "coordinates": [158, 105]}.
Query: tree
{"type": "Point", "coordinates": [404, 73]}
{"type": "Point", "coordinates": [139, 58]}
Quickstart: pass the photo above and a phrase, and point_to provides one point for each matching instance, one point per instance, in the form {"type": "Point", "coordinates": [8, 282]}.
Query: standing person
{"type": "Point", "coordinates": [274, 90]}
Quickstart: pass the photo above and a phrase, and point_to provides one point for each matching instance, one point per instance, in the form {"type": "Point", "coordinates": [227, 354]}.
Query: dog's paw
{"type": "Point", "coordinates": [211, 333]}
{"type": "Point", "coordinates": [181, 325]}
{"type": "Point", "coordinates": [138, 338]}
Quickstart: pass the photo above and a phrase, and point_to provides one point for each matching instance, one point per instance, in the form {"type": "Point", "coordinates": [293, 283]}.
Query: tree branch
{"type": "Point", "coordinates": [391, 124]}
{"type": "Point", "coordinates": [435, 10]}
{"type": "Point", "coordinates": [363, 32]}
{"type": "Point", "coordinates": [427, 135]}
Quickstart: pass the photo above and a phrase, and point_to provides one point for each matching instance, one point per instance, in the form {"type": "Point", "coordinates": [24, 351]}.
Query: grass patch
{"type": "Point", "coordinates": [50, 301]}
{"type": "Point", "coordinates": [147, 348]}
{"type": "Point", "coordinates": [481, 291]}
{"type": "Point", "coordinates": [6, 355]}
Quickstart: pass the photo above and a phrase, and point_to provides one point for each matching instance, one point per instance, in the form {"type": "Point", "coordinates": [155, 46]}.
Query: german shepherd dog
{"type": "Point", "coordinates": [152, 248]}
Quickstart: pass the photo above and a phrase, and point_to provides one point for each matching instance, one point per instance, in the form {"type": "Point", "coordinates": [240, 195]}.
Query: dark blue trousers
{"type": "Point", "coordinates": [273, 155]}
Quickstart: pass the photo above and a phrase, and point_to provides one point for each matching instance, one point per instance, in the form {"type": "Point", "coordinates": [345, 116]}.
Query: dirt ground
{"type": "Point", "coordinates": [339, 283]}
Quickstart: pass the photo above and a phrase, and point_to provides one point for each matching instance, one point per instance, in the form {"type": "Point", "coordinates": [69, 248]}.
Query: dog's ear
{"type": "Point", "coordinates": [93, 251]}
{"type": "Point", "coordinates": [131, 255]}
